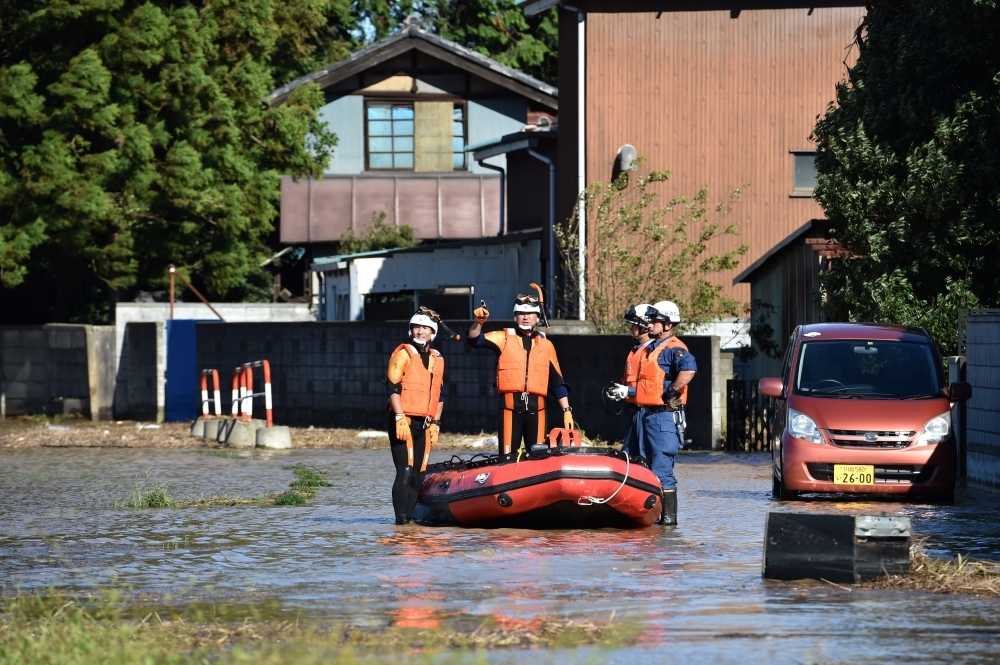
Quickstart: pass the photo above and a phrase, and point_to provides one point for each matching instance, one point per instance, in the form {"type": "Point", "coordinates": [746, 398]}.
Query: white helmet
{"type": "Point", "coordinates": [665, 311]}
{"type": "Point", "coordinates": [637, 315]}
{"type": "Point", "coordinates": [422, 319]}
{"type": "Point", "coordinates": [527, 304]}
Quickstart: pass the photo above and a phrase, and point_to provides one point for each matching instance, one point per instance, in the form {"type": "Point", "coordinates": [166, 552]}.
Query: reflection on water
{"type": "Point", "coordinates": [697, 588]}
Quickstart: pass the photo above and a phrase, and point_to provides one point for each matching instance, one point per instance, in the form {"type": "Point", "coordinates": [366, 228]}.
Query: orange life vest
{"type": "Point", "coordinates": [519, 371]}
{"type": "Point", "coordinates": [651, 377]}
{"type": "Point", "coordinates": [632, 367]}
{"type": "Point", "coordinates": [421, 385]}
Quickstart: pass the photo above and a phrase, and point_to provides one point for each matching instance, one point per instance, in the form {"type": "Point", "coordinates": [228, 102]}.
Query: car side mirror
{"type": "Point", "coordinates": [960, 391]}
{"type": "Point", "coordinates": [771, 386]}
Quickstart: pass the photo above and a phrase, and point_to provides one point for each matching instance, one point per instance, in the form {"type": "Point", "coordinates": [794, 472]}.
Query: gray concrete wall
{"type": "Point", "coordinates": [56, 369]}
{"type": "Point", "coordinates": [330, 374]}
{"type": "Point", "coordinates": [157, 313]}
{"type": "Point", "coordinates": [983, 410]}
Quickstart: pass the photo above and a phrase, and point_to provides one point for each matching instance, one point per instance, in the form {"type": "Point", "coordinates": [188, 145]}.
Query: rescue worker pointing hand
{"type": "Point", "coordinates": [527, 371]}
{"type": "Point", "coordinates": [415, 387]}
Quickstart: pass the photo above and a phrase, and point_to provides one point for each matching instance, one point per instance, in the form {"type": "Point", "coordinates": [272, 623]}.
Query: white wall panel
{"type": "Point", "coordinates": [346, 118]}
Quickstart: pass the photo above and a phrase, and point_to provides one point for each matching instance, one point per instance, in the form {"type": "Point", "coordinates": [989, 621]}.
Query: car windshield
{"type": "Point", "coordinates": [871, 369]}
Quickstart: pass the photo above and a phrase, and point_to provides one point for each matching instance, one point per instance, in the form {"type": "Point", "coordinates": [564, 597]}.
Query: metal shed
{"type": "Point", "coordinates": [451, 278]}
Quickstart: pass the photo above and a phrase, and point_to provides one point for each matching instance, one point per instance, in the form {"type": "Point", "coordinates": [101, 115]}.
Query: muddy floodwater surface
{"type": "Point", "coordinates": [695, 590]}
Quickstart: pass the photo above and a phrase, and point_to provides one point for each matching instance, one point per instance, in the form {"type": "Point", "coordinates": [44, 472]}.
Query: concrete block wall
{"type": "Point", "coordinates": [983, 410]}
{"type": "Point", "coordinates": [24, 370]}
{"type": "Point", "coordinates": [55, 369]}
{"type": "Point", "coordinates": [329, 374]}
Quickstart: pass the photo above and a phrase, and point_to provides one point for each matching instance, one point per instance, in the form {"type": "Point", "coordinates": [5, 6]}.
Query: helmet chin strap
{"type": "Point", "coordinates": [420, 342]}
{"type": "Point", "coordinates": [524, 327]}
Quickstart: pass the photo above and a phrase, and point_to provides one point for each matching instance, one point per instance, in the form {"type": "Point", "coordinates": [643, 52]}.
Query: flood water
{"type": "Point", "coordinates": [696, 589]}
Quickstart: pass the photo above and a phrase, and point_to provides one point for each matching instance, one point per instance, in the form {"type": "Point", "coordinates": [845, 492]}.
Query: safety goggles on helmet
{"type": "Point", "coordinates": [636, 315]}
{"type": "Point", "coordinates": [429, 312]}
{"type": "Point", "coordinates": [664, 311]}
{"type": "Point", "coordinates": [527, 304]}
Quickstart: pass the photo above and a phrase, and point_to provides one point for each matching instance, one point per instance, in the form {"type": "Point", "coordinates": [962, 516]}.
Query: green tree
{"type": "Point", "coordinates": [137, 134]}
{"type": "Point", "coordinates": [500, 30]}
{"type": "Point", "coordinates": [313, 33]}
{"type": "Point", "coordinates": [908, 167]}
{"type": "Point", "coordinates": [641, 252]}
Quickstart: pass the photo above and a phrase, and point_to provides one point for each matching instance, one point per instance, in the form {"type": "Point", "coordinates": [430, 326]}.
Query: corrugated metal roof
{"type": "Point", "coordinates": [326, 263]}
{"type": "Point", "coordinates": [511, 139]}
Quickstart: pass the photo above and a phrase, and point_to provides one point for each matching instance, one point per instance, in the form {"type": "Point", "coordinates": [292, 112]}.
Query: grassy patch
{"type": "Point", "coordinates": [937, 575]}
{"type": "Point", "coordinates": [308, 478]}
{"type": "Point", "coordinates": [148, 495]}
{"type": "Point", "coordinates": [292, 498]}
{"type": "Point", "coordinates": [59, 629]}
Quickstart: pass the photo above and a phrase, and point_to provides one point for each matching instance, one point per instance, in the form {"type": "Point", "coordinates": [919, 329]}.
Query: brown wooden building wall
{"type": "Point", "coordinates": [717, 98]}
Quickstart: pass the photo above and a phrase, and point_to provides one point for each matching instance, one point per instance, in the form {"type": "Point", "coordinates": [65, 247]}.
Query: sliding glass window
{"type": "Point", "coordinates": [390, 136]}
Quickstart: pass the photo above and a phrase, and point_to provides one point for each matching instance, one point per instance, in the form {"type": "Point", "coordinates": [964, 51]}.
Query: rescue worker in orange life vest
{"type": "Point", "coordinates": [415, 386]}
{"type": "Point", "coordinates": [527, 370]}
{"type": "Point", "coordinates": [639, 328]}
{"type": "Point", "coordinates": [666, 367]}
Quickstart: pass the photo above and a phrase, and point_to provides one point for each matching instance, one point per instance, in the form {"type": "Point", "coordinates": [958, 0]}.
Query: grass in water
{"type": "Point", "coordinates": [308, 478]}
{"type": "Point", "coordinates": [938, 575]}
{"type": "Point", "coordinates": [59, 629]}
{"type": "Point", "coordinates": [147, 495]}
{"type": "Point", "coordinates": [143, 495]}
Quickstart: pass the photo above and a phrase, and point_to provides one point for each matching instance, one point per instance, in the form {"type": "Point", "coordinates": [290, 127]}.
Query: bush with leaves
{"type": "Point", "coordinates": [638, 251]}
{"type": "Point", "coordinates": [378, 235]}
{"type": "Point", "coordinates": [908, 165]}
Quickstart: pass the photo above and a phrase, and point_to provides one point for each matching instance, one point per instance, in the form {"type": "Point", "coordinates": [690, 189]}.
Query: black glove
{"type": "Point", "coordinates": [672, 399]}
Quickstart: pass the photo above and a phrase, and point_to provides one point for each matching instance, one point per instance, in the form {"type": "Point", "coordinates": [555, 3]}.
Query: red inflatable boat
{"type": "Point", "coordinates": [552, 487]}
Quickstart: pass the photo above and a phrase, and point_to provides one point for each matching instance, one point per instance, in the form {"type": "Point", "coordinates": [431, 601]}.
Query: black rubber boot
{"type": "Point", "coordinates": [668, 517]}
{"type": "Point", "coordinates": [402, 519]}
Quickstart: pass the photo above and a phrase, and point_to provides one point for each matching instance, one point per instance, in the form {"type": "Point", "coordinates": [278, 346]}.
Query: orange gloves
{"type": "Point", "coordinates": [433, 432]}
{"type": "Point", "coordinates": [481, 313]}
{"type": "Point", "coordinates": [403, 429]}
{"type": "Point", "coordinates": [568, 419]}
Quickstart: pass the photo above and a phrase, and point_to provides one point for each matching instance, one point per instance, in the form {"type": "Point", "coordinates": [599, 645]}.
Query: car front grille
{"type": "Point", "coordinates": [846, 438]}
{"type": "Point", "coordinates": [896, 474]}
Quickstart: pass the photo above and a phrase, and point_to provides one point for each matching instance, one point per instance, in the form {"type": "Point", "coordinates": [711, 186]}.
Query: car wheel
{"type": "Point", "coordinates": [778, 489]}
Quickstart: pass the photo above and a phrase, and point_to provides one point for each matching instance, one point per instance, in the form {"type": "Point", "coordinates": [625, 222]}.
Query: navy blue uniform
{"type": "Point", "coordinates": [656, 432]}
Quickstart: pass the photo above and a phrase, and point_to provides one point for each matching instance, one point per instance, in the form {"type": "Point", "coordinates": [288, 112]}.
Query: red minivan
{"type": "Point", "coordinates": [863, 407]}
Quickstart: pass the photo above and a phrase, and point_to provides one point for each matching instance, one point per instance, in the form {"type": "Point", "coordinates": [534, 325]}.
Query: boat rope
{"type": "Point", "coordinates": [591, 500]}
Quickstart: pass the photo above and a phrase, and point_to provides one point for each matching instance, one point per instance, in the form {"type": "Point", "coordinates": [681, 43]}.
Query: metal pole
{"type": "Point", "coordinates": [581, 139]}
{"type": "Point", "coordinates": [550, 281]}
{"type": "Point", "coordinates": [173, 271]}
{"type": "Point", "coordinates": [503, 196]}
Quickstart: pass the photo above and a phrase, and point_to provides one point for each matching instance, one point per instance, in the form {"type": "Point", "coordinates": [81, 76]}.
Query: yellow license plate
{"type": "Point", "coordinates": [853, 474]}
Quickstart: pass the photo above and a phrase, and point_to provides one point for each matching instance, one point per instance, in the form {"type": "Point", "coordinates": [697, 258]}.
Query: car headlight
{"type": "Point", "coordinates": [936, 430]}
{"type": "Point", "coordinates": [803, 427]}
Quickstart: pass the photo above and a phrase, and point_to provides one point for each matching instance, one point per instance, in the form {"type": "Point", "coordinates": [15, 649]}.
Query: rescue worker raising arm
{"type": "Point", "coordinates": [527, 370]}
{"type": "Point", "coordinates": [415, 387]}
{"type": "Point", "coordinates": [666, 367]}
